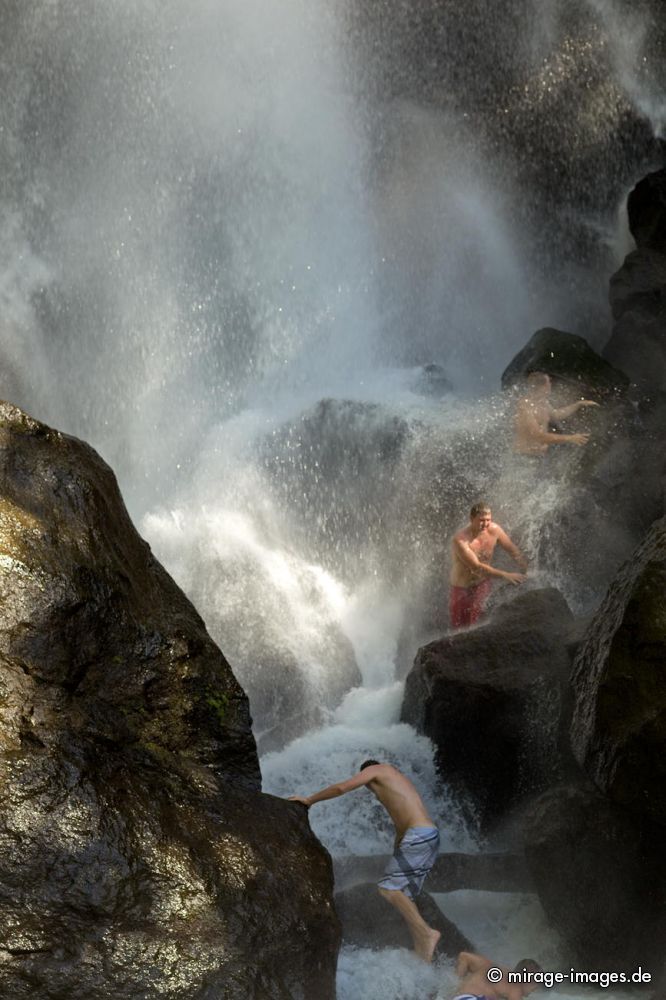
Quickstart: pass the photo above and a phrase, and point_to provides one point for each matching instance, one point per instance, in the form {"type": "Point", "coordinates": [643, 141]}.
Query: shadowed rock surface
{"type": "Point", "coordinates": [600, 876]}
{"type": "Point", "coordinates": [638, 302]}
{"type": "Point", "coordinates": [368, 921]}
{"type": "Point", "coordinates": [493, 701]}
{"type": "Point", "coordinates": [646, 208]}
{"type": "Point", "coordinates": [567, 356]}
{"type": "Point", "coordinates": [638, 290]}
{"type": "Point", "coordinates": [618, 731]}
{"type": "Point", "coordinates": [138, 857]}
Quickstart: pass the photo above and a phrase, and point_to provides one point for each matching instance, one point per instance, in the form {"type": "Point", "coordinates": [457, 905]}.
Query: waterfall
{"type": "Point", "coordinates": [235, 235]}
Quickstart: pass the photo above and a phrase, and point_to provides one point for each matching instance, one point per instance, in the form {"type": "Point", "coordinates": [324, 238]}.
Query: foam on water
{"type": "Point", "coordinates": [357, 823]}
{"type": "Point", "coordinates": [391, 974]}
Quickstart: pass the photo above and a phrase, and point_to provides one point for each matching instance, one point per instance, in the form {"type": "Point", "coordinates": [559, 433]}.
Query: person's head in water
{"type": "Point", "coordinates": [528, 965]}
{"type": "Point", "coordinates": [368, 763]}
{"type": "Point", "coordinates": [480, 517]}
{"type": "Point", "coordinates": [538, 384]}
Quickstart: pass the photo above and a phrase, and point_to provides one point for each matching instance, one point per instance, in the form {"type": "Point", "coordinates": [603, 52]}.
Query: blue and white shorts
{"type": "Point", "coordinates": [412, 860]}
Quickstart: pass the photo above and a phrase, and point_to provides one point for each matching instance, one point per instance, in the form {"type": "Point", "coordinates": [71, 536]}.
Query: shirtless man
{"type": "Point", "coordinates": [472, 971]}
{"type": "Point", "coordinates": [416, 843]}
{"type": "Point", "coordinates": [471, 570]}
{"type": "Point", "coordinates": [534, 413]}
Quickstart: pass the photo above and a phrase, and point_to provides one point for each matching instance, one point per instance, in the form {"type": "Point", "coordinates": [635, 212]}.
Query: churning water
{"type": "Point", "coordinates": [235, 233]}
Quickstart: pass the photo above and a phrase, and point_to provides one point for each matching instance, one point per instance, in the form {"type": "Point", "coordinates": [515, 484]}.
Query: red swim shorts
{"type": "Point", "coordinates": [466, 604]}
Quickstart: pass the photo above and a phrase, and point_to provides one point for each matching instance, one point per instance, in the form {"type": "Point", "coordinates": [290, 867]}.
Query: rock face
{"type": "Point", "coordinates": [618, 730]}
{"type": "Point", "coordinates": [606, 843]}
{"type": "Point", "coordinates": [137, 854]}
{"type": "Point", "coordinates": [606, 898]}
{"type": "Point", "coordinates": [565, 355]}
{"type": "Point", "coordinates": [646, 206]}
{"type": "Point", "coordinates": [493, 701]}
{"type": "Point", "coordinates": [638, 290]}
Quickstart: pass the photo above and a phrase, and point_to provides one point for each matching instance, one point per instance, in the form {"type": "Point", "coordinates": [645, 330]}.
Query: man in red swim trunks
{"type": "Point", "coordinates": [471, 569]}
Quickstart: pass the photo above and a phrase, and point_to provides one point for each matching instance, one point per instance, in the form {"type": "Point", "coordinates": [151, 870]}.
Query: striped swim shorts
{"type": "Point", "coordinates": [412, 860]}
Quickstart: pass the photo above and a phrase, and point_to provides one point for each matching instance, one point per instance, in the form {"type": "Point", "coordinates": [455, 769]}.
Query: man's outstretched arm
{"type": "Point", "coordinates": [568, 411]}
{"type": "Point", "coordinates": [529, 428]}
{"type": "Point", "coordinates": [364, 777]}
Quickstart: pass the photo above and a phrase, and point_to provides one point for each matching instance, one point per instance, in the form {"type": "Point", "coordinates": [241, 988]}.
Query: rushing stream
{"type": "Point", "coordinates": [234, 233]}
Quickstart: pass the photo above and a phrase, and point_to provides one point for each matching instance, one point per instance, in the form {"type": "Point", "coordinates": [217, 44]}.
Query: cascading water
{"type": "Point", "coordinates": [233, 234]}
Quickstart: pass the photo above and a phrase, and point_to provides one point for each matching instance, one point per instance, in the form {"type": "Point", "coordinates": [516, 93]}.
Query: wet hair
{"type": "Point", "coordinates": [527, 965]}
{"type": "Point", "coordinates": [479, 508]}
{"type": "Point", "coordinates": [368, 763]}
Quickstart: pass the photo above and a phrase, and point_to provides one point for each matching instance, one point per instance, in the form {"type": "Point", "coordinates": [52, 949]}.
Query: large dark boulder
{"type": "Point", "coordinates": [493, 700]}
{"type": "Point", "coordinates": [646, 208]}
{"type": "Point", "coordinates": [600, 876]}
{"type": "Point", "coordinates": [618, 731]}
{"type": "Point", "coordinates": [369, 921]}
{"type": "Point", "coordinates": [638, 303]}
{"type": "Point", "coordinates": [639, 286]}
{"type": "Point", "coordinates": [138, 857]}
{"type": "Point", "coordinates": [569, 357]}
{"type": "Point", "coordinates": [638, 290]}
{"type": "Point", "coordinates": [638, 346]}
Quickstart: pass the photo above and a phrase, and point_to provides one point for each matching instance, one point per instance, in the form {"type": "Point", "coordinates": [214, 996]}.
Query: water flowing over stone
{"type": "Point", "coordinates": [266, 257]}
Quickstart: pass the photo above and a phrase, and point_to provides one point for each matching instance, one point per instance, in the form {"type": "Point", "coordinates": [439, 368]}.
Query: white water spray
{"type": "Point", "coordinates": [205, 234]}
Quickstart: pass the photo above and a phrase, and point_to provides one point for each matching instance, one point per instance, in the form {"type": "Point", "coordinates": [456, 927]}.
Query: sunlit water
{"type": "Point", "coordinates": [231, 238]}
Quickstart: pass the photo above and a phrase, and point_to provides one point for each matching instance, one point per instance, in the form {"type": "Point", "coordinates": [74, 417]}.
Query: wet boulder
{"type": "Point", "coordinates": [494, 701]}
{"type": "Point", "coordinates": [618, 730]}
{"type": "Point", "coordinates": [646, 208]}
{"type": "Point", "coordinates": [568, 357]}
{"type": "Point", "coordinates": [432, 380]}
{"type": "Point", "coordinates": [638, 303]}
{"type": "Point", "coordinates": [333, 467]}
{"type": "Point", "coordinates": [138, 856]}
{"type": "Point", "coordinates": [638, 290]}
{"type": "Point", "coordinates": [600, 876]}
{"type": "Point", "coordinates": [639, 286]}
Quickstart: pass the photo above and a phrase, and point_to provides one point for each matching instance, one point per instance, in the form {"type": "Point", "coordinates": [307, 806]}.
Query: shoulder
{"type": "Point", "coordinates": [383, 770]}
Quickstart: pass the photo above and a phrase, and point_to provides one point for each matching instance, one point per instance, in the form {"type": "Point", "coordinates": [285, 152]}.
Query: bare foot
{"type": "Point", "coordinates": [425, 947]}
